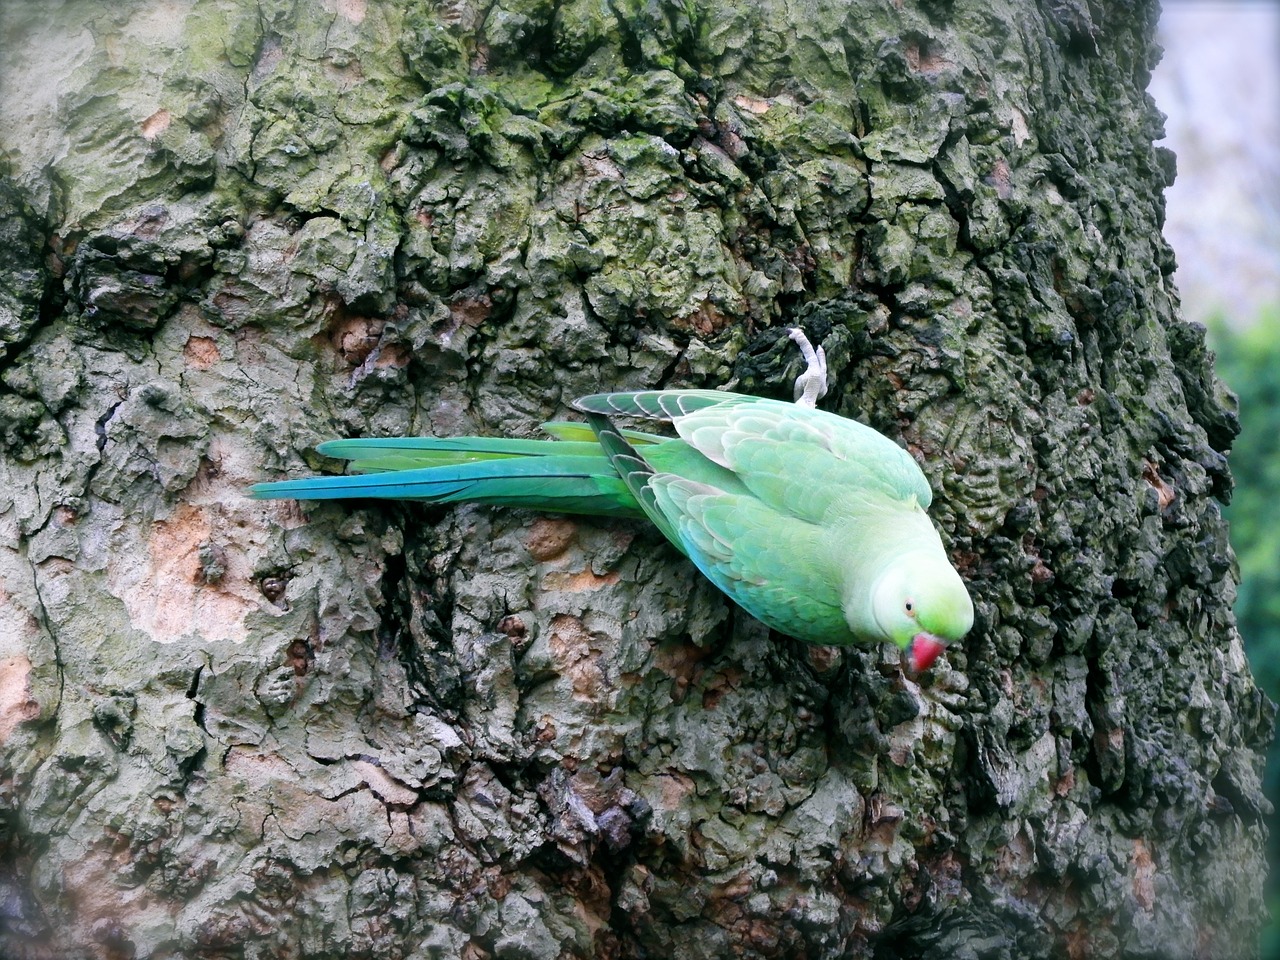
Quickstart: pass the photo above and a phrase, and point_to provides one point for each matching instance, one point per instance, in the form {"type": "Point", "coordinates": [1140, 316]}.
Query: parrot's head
{"type": "Point", "coordinates": [921, 604]}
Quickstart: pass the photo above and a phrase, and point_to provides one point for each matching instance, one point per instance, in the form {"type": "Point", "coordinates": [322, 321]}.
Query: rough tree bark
{"type": "Point", "coordinates": [233, 229]}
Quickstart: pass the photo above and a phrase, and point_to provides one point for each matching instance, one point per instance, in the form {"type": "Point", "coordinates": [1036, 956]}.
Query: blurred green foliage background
{"type": "Point", "coordinates": [1249, 363]}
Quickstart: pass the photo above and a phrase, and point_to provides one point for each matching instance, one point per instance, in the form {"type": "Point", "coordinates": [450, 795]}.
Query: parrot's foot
{"type": "Point", "coordinates": [812, 384]}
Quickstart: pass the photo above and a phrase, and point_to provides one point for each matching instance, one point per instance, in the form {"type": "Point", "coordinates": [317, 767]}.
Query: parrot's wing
{"type": "Point", "coordinates": [656, 404]}
{"type": "Point", "coordinates": [774, 566]}
{"type": "Point", "coordinates": [801, 460]}
{"type": "Point", "coordinates": [806, 461]}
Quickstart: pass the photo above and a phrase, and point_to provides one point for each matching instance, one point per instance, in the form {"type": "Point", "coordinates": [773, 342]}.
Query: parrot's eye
{"type": "Point", "coordinates": [910, 608]}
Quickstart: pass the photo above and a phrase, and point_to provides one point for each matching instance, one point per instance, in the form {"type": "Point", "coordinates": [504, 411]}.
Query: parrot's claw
{"type": "Point", "coordinates": [812, 384]}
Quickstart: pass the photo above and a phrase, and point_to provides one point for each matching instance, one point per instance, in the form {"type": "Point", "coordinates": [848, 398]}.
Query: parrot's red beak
{"type": "Point", "coordinates": [925, 648]}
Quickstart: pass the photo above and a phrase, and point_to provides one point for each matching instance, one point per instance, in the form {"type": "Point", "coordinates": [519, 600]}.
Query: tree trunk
{"type": "Point", "coordinates": [253, 729]}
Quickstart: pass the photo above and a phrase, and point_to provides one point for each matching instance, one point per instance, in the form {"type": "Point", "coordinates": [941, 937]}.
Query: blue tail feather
{"type": "Point", "coordinates": [563, 484]}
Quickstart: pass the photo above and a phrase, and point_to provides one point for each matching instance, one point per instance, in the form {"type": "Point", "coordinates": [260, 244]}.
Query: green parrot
{"type": "Point", "coordinates": [812, 523]}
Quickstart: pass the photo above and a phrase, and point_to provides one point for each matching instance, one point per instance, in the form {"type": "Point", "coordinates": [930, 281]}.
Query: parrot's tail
{"type": "Point", "coordinates": [571, 475]}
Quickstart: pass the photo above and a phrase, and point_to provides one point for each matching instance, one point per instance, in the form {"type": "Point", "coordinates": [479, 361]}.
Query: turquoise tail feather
{"type": "Point", "coordinates": [552, 475]}
{"type": "Point", "coordinates": [369, 455]}
{"type": "Point", "coordinates": [408, 453]}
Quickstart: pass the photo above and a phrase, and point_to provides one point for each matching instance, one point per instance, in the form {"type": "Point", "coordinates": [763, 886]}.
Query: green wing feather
{"type": "Point", "coordinates": [846, 465]}
{"type": "Point", "coordinates": [657, 404]}
{"type": "Point", "coordinates": [770, 564]}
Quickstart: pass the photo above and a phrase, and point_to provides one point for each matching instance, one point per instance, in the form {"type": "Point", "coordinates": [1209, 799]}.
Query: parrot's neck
{"type": "Point", "coordinates": [905, 541]}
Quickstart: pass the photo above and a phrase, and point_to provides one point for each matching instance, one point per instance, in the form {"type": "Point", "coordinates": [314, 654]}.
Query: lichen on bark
{"type": "Point", "coordinates": [231, 728]}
